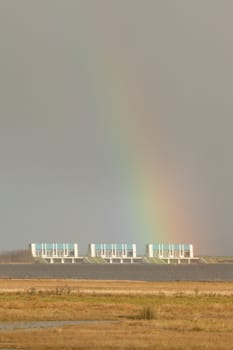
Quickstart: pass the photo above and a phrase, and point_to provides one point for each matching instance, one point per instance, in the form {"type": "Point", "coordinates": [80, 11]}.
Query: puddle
{"type": "Point", "coordinates": [46, 324]}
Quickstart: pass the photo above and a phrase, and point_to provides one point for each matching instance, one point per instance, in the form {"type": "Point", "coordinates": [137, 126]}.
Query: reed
{"type": "Point", "coordinates": [147, 313]}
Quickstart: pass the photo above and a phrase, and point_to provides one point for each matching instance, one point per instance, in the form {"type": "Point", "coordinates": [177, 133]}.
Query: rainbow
{"type": "Point", "coordinates": [156, 205]}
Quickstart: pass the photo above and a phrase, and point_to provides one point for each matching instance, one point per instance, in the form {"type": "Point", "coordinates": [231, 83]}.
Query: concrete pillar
{"type": "Point", "coordinates": [150, 250]}
{"type": "Point", "coordinates": [33, 249]}
{"type": "Point", "coordinates": [76, 250]}
{"type": "Point", "coordinates": [191, 250]}
{"type": "Point", "coordinates": [92, 251]}
{"type": "Point", "coordinates": [134, 250]}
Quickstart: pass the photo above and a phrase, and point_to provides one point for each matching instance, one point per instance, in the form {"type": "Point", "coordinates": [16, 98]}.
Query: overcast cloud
{"type": "Point", "coordinates": [58, 179]}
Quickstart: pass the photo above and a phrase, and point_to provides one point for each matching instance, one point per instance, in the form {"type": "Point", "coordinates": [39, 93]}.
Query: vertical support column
{"type": "Point", "coordinates": [33, 249]}
{"type": "Point", "coordinates": [134, 250]}
{"type": "Point", "coordinates": [149, 250]}
{"type": "Point", "coordinates": [75, 250]}
{"type": "Point", "coordinates": [191, 250]}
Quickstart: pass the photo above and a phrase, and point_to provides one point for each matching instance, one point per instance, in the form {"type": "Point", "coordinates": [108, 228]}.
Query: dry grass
{"type": "Point", "coordinates": [191, 315]}
{"type": "Point", "coordinates": [116, 287]}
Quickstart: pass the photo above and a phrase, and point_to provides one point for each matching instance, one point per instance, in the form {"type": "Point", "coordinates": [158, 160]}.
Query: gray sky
{"type": "Point", "coordinates": [70, 71]}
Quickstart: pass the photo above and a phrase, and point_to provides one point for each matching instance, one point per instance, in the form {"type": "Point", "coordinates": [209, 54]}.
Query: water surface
{"type": "Point", "coordinates": [134, 272]}
{"type": "Point", "coordinates": [45, 324]}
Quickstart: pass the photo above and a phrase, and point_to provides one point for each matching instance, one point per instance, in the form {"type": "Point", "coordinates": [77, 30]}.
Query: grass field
{"type": "Point", "coordinates": [149, 315]}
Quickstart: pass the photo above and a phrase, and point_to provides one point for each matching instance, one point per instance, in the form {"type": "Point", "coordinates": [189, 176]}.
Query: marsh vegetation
{"type": "Point", "coordinates": [155, 315]}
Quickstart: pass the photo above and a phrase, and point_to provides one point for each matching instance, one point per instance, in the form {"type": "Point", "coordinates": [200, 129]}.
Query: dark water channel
{"type": "Point", "coordinates": [8, 326]}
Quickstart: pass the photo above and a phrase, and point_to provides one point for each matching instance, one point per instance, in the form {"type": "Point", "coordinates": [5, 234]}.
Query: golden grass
{"type": "Point", "coordinates": [116, 287]}
{"type": "Point", "coordinates": [187, 315]}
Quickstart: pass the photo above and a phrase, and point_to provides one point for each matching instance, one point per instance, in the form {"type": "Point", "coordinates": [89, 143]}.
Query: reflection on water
{"type": "Point", "coordinates": [45, 324]}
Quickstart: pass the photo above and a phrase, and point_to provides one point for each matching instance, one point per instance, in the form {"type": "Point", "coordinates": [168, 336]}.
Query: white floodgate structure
{"type": "Point", "coordinates": [56, 252]}
{"type": "Point", "coordinates": [114, 252]}
{"type": "Point", "coordinates": [171, 252]}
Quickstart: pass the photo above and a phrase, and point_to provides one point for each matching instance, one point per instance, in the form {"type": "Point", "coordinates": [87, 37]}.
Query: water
{"type": "Point", "coordinates": [8, 326]}
{"type": "Point", "coordinates": [135, 272]}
